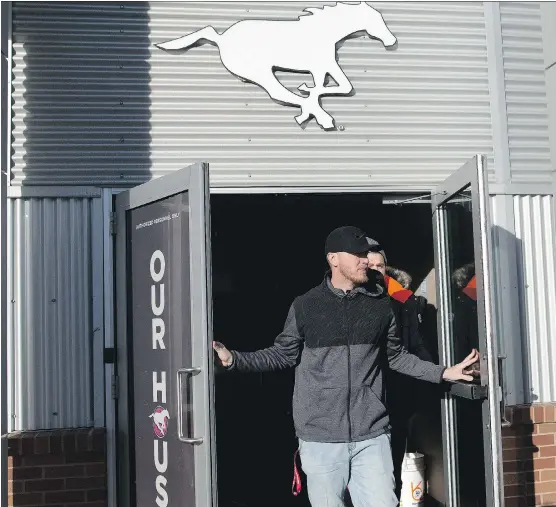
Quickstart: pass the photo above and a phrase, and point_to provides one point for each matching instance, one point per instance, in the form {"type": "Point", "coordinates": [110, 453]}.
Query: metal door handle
{"type": "Point", "coordinates": [190, 372]}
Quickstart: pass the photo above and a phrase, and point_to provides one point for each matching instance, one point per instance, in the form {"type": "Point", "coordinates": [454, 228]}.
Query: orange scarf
{"type": "Point", "coordinates": [470, 289]}
{"type": "Point", "coordinates": [395, 289]}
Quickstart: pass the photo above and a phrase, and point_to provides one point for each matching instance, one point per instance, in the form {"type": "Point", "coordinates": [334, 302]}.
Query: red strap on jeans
{"type": "Point", "coordinates": [296, 485]}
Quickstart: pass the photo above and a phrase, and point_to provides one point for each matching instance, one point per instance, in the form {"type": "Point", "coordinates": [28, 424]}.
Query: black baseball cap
{"type": "Point", "coordinates": [346, 239]}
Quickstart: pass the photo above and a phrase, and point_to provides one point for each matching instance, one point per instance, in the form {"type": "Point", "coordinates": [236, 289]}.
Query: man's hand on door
{"type": "Point", "coordinates": [224, 355]}
{"type": "Point", "coordinates": [462, 371]}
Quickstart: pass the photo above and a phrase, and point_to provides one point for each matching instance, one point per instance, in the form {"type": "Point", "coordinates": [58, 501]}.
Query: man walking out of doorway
{"type": "Point", "coordinates": [342, 336]}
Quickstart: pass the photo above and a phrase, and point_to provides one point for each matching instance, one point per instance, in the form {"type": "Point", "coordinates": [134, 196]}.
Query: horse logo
{"type": "Point", "coordinates": [160, 418]}
{"type": "Point", "coordinates": [254, 50]}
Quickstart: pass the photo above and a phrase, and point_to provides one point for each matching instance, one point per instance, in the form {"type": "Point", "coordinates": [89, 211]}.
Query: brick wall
{"type": "Point", "coordinates": [57, 468]}
{"type": "Point", "coordinates": [67, 468]}
{"type": "Point", "coordinates": [529, 450]}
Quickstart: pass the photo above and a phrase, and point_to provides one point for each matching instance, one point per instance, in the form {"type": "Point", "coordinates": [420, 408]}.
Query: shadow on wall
{"type": "Point", "coordinates": [520, 468]}
{"type": "Point", "coordinates": [81, 92]}
{"type": "Point", "coordinates": [81, 116]}
{"type": "Point", "coordinates": [520, 438]}
{"type": "Point", "coordinates": [83, 102]}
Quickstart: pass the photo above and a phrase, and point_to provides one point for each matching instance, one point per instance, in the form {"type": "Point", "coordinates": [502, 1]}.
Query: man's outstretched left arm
{"type": "Point", "coordinates": [402, 361]}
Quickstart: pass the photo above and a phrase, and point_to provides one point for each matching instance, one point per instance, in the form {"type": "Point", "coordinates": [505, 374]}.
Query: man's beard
{"type": "Point", "coordinates": [355, 276]}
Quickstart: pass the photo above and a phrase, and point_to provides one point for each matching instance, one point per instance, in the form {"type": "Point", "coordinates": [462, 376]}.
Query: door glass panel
{"type": "Point", "coordinates": [463, 337]}
{"type": "Point", "coordinates": [463, 293]}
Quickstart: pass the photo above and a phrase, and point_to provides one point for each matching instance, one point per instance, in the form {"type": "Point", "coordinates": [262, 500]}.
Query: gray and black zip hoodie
{"type": "Point", "coordinates": [341, 343]}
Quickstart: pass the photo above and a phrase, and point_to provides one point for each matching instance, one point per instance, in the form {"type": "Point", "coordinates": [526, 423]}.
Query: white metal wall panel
{"type": "Point", "coordinates": [96, 103]}
{"type": "Point", "coordinates": [51, 315]}
{"type": "Point", "coordinates": [534, 230]}
{"type": "Point", "coordinates": [526, 101]}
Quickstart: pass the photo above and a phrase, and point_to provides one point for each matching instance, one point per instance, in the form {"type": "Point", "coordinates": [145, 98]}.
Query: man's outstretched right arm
{"type": "Point", "coordinates": [283, 354]}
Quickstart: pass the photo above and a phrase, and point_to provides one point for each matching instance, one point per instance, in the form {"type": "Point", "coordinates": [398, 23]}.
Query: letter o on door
{"type": "Point", "coordinates": [157, 255]}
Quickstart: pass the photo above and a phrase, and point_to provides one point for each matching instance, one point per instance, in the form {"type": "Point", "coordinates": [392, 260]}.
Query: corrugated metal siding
{"type": "Point", "coordinates": [526, 102]}
{"type": "Point", "coordinates": [50, 317]}
{"type": "Point", "coordinates": [96, 103]}
{"type": "Point", "coordinates": [505, 258]}
{"type": "Point", "coordinates": [534, 227]}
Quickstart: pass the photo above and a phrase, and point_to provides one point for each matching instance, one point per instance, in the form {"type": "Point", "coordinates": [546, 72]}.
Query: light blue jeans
{"type": "Point", "coordinates": [365, 468]}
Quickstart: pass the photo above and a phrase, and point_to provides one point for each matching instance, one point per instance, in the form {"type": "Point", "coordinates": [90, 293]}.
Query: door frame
{"type": "Point", "coordinates": [454, 181]}
{"type": "Point", "coordinates": [195, 181]}
{"type": "Point", "coordinates": [113, 230]}
{"type": "Point", "coordinates": [473, 175]}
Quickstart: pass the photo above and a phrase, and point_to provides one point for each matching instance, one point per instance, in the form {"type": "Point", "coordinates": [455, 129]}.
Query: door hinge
{"type": "Point", "coordinates": [115, 389]}
{"type": "Point", "coordinates": [112, 223]}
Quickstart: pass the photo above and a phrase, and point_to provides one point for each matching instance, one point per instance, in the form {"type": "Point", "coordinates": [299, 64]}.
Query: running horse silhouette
{"type": "Point", "coordinates": [254, 49]}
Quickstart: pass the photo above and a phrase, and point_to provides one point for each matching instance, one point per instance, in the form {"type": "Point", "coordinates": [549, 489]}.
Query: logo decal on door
{"type": "Point", "coordinates": [254, 49]}
{"type": "Point", "coordinates": [160, 418]}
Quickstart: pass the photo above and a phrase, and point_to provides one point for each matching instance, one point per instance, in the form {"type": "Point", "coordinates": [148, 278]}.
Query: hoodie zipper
{"type": "Point", "coordinates": [346, 322]}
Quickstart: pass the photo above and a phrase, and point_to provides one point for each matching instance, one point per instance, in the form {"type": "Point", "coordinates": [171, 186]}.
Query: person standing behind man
{"type": "Point", "coordinates": [402, 391]}
{"type": "Point", "coordinates": [342, 336]}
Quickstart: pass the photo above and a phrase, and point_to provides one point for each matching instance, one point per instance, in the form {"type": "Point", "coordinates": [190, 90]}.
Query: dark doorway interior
{"type": "Point", "coordinates": [266, 250]}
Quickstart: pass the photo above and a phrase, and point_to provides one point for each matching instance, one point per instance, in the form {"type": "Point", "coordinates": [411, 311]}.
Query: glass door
{"type": "Point", "coordinates": [471, 410]}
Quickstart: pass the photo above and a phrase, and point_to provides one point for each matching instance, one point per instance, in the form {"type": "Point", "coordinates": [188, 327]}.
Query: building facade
{"type": "Point", "coordinates": [93, 107]}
